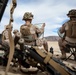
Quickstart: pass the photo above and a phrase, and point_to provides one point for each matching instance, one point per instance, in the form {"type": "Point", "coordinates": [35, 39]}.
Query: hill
{"type": "Point", "coordinates": [52, 38]}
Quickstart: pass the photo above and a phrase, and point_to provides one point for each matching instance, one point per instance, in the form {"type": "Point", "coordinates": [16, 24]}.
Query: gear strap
{"type": "Point", "coordinates": [11, 44]}
{"type": "Point", "coordinates": [11, 41]}
{"type": "Point", "coordinates": [48, 59]}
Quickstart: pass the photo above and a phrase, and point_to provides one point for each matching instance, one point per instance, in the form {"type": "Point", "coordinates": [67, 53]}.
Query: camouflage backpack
{"type": "Point", "coordinates": [71, 31]}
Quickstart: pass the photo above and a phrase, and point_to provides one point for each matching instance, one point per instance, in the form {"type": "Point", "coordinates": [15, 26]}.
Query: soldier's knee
{"type": "Point", "coordinates": [45, 44]}
{"type": "Point", "coordinates": [60, 42]}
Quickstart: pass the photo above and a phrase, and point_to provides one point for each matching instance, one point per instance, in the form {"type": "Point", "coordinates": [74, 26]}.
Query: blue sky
{"type": "Point", "coordinates": [51, 12]}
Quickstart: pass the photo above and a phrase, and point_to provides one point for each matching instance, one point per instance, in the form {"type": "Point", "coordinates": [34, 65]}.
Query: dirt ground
{"type": "Point", "coordinates": [57, 54]}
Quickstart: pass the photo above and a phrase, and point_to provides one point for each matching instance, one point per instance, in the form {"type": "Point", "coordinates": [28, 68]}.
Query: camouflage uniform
{"type": "Point", "coordinates": [15, 31]}
{"type": "Point", "coordinates": [5, 37]}
{"type": "Point", "coordinates": [69, 36]}
{"type": "Point", "coordinates": [30, 32]}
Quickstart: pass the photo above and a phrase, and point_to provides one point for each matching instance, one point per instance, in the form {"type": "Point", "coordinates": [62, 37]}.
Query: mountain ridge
{"type": "Point", "coordinates": [52, 38]}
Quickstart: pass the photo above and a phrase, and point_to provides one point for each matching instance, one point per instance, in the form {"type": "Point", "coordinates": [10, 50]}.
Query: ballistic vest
{"type": "Point", "coordinates": [71, 29]}
{"type": "Point", "coordinates": [28, 32]}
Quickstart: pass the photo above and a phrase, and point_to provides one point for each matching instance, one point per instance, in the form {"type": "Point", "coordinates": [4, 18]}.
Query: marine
{"type": "Point", "coordinates": [69, 30]}
{"type": "Point", "coordinates": [31, 32]}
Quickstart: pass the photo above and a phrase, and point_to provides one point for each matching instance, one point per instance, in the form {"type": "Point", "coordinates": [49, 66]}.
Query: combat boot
{"type": "Point", "coordinates": [63, 55]}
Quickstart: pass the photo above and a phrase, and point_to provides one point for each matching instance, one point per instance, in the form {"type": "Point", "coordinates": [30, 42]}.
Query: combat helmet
{"type": "Point", "coordinates": [72, 13]}
{"type": "Point", "coordinates": [28, 15]}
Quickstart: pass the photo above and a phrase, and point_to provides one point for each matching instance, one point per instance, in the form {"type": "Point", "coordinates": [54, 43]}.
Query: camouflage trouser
{"type": "Point", "coordinates": [42, 41]}
{"type": "Point", "coordinates": [39, 42]}
{"type": "Point", "coordinates": [62, 44]}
